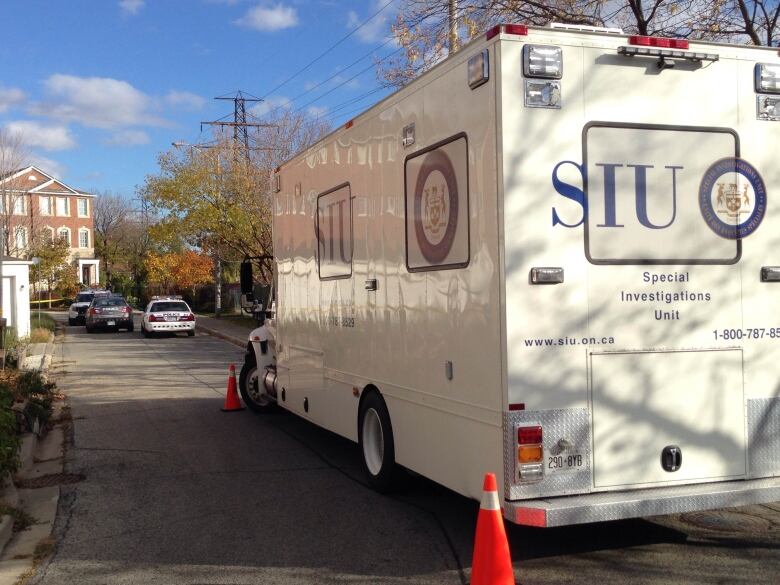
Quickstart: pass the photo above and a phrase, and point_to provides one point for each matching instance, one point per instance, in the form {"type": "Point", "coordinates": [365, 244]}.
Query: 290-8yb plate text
{"type": "Point", "coordinates": [564, 462]}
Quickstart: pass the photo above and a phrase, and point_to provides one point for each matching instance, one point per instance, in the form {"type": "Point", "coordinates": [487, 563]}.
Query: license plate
{"type": "Point", "coordinates": [564, 462]}
{"type": "Point", "coordinates": [111, 323]}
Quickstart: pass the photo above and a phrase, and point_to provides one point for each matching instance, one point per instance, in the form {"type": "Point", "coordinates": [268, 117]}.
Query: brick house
{"type": "Point", "coordinates": [36, 205]}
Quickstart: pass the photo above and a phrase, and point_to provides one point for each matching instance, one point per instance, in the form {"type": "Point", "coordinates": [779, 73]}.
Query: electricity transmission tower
{"type": "Point", "coordinates": [240, 124]}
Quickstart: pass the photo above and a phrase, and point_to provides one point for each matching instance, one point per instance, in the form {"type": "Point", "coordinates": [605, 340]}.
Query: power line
{"type": "Point", "coordinates": [329, 49]}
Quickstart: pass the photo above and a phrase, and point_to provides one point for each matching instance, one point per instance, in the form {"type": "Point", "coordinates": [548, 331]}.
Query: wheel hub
{"type": "Point", "coordinates": [373, 441]}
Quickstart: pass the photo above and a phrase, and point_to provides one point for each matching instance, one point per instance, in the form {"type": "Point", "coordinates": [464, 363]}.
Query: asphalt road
{"type": "Point", "coordinates": [178, 492]}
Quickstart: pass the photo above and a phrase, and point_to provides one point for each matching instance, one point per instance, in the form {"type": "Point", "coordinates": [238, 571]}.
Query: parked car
{"type": "Point", "coordinates": [78, 309]}
{"type": "Point", "coordinates": [109, 311]}
{"type": "Point", "coordinates": [168, 315]}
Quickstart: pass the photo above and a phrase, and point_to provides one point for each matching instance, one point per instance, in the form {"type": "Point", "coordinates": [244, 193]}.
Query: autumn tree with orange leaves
{"type": "Point", "coordinates": [179, 270]}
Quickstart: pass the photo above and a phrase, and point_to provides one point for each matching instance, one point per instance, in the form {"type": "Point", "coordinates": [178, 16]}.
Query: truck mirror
{"type": "Point", "coordinates": [247, 283]}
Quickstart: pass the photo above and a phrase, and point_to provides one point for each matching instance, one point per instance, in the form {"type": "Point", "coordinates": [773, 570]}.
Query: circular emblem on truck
{"type": "Point", "coordinates": [436, 207]}
{"type": "Point", "coordinates": [732, 198]}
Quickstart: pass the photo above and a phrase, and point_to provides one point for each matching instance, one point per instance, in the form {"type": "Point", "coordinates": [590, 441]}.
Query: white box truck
{"type": "Point", "coordinates": [555, 256]}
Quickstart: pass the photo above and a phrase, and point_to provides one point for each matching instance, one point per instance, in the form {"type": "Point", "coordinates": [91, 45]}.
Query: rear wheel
{"type": "Point", "coordinates": [252, 390]}
{"type": "Point", "coordinates": [131, 327]}
{"type": "Point", "coordinates": [71, 321]}
{"type": "Point", "coordinates": [190, 334]}
{"type": "Point", "coordinates": [90, 329]}
{"type": "Point", "coordinates": [375, 435]}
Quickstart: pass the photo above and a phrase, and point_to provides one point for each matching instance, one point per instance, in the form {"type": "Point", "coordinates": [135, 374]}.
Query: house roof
{"type": "Point", "coordinates": [34, 180]}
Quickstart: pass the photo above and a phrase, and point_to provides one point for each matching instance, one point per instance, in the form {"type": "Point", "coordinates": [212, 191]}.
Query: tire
{"type": "Point", "coordinates": [375, 437]}
{"type": "Point", "coordinates": [90, 329]}
{"type": "Point", "coordinates": [131, 327]}
{"type": "Point", "coordinates": [71, 321]}
{"type": "Point", "coordinates": [190, 334]}
{"type": "Point", "coordinates": [254, 397]}
{"type": "Point", "coordinates": [144, 332]}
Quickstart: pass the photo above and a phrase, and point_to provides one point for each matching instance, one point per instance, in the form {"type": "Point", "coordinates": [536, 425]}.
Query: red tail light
{"type": "Point", "coordinates": [529, 435]}
{"type": "Point", "coordinates": [188, 317]}
{"type": "Point", "coordinates": [94, 311]}
{"type": "Point", "coordinates": [660, 42]}
{"type": "Point", "coordinates": [126, 309]}
{"type": "Point", "coordinates": [153, 319]}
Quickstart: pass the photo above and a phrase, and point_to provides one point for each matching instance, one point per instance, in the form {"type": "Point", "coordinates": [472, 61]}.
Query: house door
{"type": "Point", "coordinates": [85, 275]}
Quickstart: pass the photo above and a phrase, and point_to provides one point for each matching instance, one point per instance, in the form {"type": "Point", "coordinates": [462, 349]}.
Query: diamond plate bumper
{"type": "Point", "coordinates": [607, 506]}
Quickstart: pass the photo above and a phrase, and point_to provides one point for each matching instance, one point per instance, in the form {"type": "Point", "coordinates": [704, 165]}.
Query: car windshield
{"type": "Point", "coordinates": [109, 302]}
{"type": "Point", "coordinates": [85, 297]}
{"type": "Point", "coordinates": [169, 306]}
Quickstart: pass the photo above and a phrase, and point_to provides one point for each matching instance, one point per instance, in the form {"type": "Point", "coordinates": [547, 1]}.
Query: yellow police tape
{"type": "Point", "coordinates": [46, 301]}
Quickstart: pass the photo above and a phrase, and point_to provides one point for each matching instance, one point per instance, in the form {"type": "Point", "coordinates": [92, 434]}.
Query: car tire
{"type": "Point", "coordinates": [71, 321]}
{"type": "Point", "coordinates": [90, 329]}
{"type": "Point", "coordinates": [144, 332]}
{"type": "Point", "coordinates": [375, 437]}
{"type": "Point", "coordinates": [131, 328]}
{"type": "Point", "coordinates": [190, 334]}
{"type": "Point", "coordinates": [256, 399]}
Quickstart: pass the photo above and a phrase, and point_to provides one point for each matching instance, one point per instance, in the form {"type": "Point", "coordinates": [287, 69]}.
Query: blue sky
{"type": "Point", "coordinates": [99, 87]}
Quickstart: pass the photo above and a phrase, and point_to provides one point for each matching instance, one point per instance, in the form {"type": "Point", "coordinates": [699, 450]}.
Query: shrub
{"type": "Point", "coordinates": [9, 440]}
{"type": "Point", "coordinates": [39, 394]}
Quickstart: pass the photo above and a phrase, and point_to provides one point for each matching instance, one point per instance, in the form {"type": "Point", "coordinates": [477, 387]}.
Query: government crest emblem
{"type": "Point", "coordinates": [436, 207]}
{"type": "Point", "coordinates": [732, 198]}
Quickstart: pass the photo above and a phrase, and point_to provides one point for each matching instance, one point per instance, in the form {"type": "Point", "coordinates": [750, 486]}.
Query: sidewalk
{"type": "Point", "coordinates": [230, 331]}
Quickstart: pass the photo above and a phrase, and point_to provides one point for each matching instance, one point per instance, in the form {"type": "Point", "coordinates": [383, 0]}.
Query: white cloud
{"type": "Point", "coordinates": [129, 138]}
{"type": "Point", "coordinates": [375, 30]}
{"type": "Point", "coordinates": [269, 18]}
{"type": "Point", "coordinates": [131, 7]}
{"type": "Point", "coordinates": [10, 97]}
{"type": "Point", "coordinates": [52, 167]}
{"type": "Point", "coordinates": [97, 102]}
{"type": "Point", "coordinates": [185, 99]}
{"type": "Point", "coordinates": [317, 111]}
{"type": "Point", "coordinates": [37, 135]}
{"type": "Point", "coordinates": [270, 104]}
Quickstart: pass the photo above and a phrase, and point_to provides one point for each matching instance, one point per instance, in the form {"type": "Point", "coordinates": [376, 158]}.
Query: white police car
{"type": "Point", "coordinates": [168, 315]}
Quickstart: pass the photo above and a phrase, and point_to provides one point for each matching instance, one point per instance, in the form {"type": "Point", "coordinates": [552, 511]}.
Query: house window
{"type": "Point", "coordinates": [64, 234]}
{"type": "Point", "coordinates": [83, 208]}
{"type": "Point", "coordinates": [45, 204]}
{"type": "Point", "coordinates": [83, 238]}
{"type": "Point", "coordinates": [47, 234]}
{"type": "Point", "coordinates": [62, 206]}
{"type": "Point", "coordinates": [18, 204]}
{"type": "Point", "coordinates": [21, 238]}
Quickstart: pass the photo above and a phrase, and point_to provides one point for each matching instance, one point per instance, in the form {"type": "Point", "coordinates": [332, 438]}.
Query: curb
{"type": "Point", "coordinates": [6, 530]}
{"type": "Point", "coordinates": [224, 336]}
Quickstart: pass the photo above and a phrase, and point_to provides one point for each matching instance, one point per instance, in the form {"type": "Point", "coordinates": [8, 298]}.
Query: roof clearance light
{"type": "Point", "coordinates": [510, 29]}
{"type": "Point", "coordinates": [660, 42]}
{"type": "Point", "coordinates": [542, 61]}
{"type": "Point", "coordinates": [478, 69]}
{"type": "Point", "coordinates": [767, 78]}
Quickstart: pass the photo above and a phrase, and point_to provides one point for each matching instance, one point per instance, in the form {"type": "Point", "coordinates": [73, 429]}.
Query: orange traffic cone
{"type": "Point", "coordinates": [491, 564]}
{"type": "Point", "coordinates": [232, 401]}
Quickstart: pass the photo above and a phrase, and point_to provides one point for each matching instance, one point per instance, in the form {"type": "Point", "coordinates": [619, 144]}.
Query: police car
{"type": "Point", "coordinates": [168, 315]}
{"type": "Point", "coordinates": [78, 309]}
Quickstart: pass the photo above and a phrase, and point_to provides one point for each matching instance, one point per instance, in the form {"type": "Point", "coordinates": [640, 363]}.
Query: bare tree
{"type": "Point", "coordinates": [14, 156]}
{"type": "Point", "coordinates": [422, 26]}
{"type": "Point", "coordinates": [111, 217]}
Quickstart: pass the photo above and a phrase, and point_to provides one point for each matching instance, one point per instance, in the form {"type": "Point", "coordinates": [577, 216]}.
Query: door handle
{"type": "Point", "coordinates": [371, 284]}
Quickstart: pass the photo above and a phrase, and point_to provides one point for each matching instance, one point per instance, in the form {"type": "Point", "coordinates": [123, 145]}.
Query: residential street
{"type": "Point", "coordinates": [178, 492]}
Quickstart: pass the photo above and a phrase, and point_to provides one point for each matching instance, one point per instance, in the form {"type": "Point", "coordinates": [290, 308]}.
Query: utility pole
{"type": "Point", "coordinates": [453, 20]}
{"type": "Point", "coordinates": [241, 145]}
